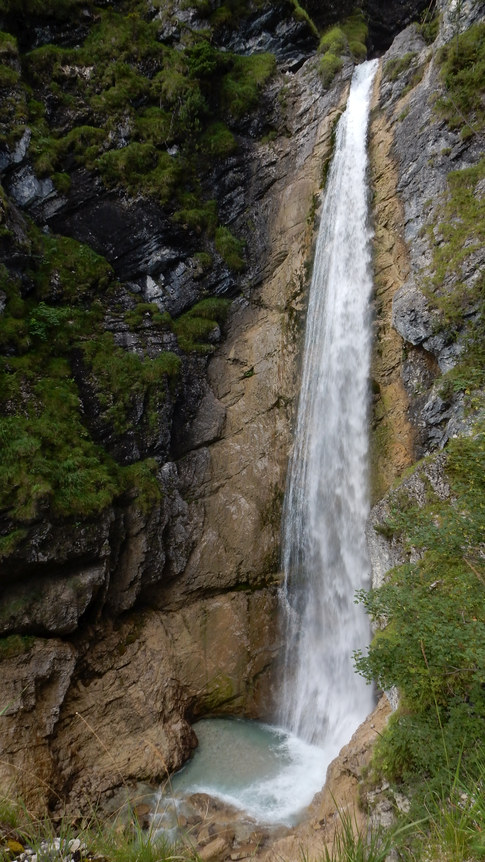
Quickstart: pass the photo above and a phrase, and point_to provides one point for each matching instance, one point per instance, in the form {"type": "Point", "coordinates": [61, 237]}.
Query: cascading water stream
{"type": "Point", "coordinates": [326, 504]}
{"type": "Point", "coordinates": [273, 772]}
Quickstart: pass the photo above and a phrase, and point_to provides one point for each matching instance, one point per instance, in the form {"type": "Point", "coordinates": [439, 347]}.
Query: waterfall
{"type": "Point", "coordinates": [326, 504]}
{"type": "Point", "coordinates": [273, 772]}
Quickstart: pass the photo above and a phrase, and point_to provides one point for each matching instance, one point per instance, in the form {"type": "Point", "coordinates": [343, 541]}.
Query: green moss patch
{"type": "Point", "coordinates": [336, 43]}
{"type": "Point", "coordinates": [463, 73]}
{"type": "Point", "coordinates": [230, 248]}
{"type": "Point", "coordinates": [397, 65]}
{"type": "Point", "coordinates": [47, 456]}
{"type": "Point", "coordinates": [50, 461]}
{"type": "Point", "coordinates": [241, 86]}
{"type": "Point", "coordinates": [121, 378]}
{"type": "Point", "coordinates": [194, 328]}
{"type": "Point", "coordinates": [69, 271]}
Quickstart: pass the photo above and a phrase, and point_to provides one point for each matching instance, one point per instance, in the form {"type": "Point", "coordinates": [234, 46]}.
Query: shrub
{"type": "Point", "coordinates": [8, 46]}
{"type": "Point", "coordinates": [348, 38]}
{"type": "Point", "coordinates": [153, 125]}
{"type": "Point", "coordinates": [44, 319]}
{"type": "Point", "coordinates": [46, 454]}
{"type": "Point", "coordinates": [433, 644]}
{"type": "Point", "coordinates": [128, 37]}
{"type": "Point", "coordinates": [302, 15]}
{"type": "Point", "coordinates": [147, 310]}
{"type": "Point", "coordinates": [128, 87]}
{"type": "Point", "coordinates": [203, 60]}
{"type": "Point", "coordinates": [197, 215]}
{"type": "Point", "coordinates": [128, 165]}
{"type": "Point", "coordinates": [334, 40]}
{"type": "Point", "coordinates": [461, 233]}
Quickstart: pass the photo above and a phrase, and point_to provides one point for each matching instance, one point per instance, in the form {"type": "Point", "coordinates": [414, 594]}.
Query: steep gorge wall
{"type": "Point", "coordinates": [414, 149]}
{"type": "Point", "coordinates": [97, 693]}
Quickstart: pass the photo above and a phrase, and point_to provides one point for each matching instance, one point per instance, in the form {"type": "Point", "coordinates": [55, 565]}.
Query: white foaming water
{"type": "Point", "coordinates": [271, 773]}
{"type": "Point", "coordinates": [265, 771]}
{"type": "Point", "coordinates": [324, 551]}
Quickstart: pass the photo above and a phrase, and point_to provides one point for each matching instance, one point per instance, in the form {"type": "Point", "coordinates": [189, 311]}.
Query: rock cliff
{"type": "Point", "coordinates": [122, 623]}
{"type": "Point", "coordinates": [425, 363]}
{"type": "Point", "coordinates": [143, 482]}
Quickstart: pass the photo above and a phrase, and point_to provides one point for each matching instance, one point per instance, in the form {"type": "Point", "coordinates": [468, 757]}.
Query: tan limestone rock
{"type": "Point", "coordinates": [34, 684]}
{"type": "Point", "coordinates": [392, 434]}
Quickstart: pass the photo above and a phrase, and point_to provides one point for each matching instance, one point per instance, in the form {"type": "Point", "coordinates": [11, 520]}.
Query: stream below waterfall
{"type": "Point", "coordinates": [272, 773]}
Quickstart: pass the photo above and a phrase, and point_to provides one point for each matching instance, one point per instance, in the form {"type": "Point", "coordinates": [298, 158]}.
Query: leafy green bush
{"type": "Point", "coordinates": [301, 14]}
{"type": "Point", "coordinates": [47, 457]}
{"type": "Point", "coordinates": [147, 310]}
{"type": "Point", "coordinates": [128, 37]}
{"type": "Point", "coordinates": [433, 644]}
{"type": "Point", "coordinates": [153, 125]}
{"type": "Point", "coordinates": [333, 40]}
{"type": "Point", "coordinates": [46, 62]}
{"type": "Point", "coordinates": [142, 477]}
{"type": "Point", "coordinates": [355, 28]}
{"type": "Point", "coordinates": [126, 86]}
{"type": "Point", "coordinates": [429, 28]}
{"type": "Point", "coordinates": [44, 319]}
{"type": "Point", "coordinates": [139, 168]}
{"type": "Point", "coordinates": [197, 215]}
{"type": "Point", "coordinates": [218, 141]}
{"type": "Point", "coordinates": [461, 232]}
{"type": "Point", "coordinates": [204, 60]}
{"type": "Point", "coordinates": [203, 260]}
{"type": "Point", "coordinates": [8, 77]}
{"type": "Point", "coordinates": [8, 46]}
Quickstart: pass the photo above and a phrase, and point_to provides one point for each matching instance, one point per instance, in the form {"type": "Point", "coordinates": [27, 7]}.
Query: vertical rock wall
{"type": "Point", "coordinates": [202, 565]}
{"type": "Point", "coordinates": [414, 150]}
